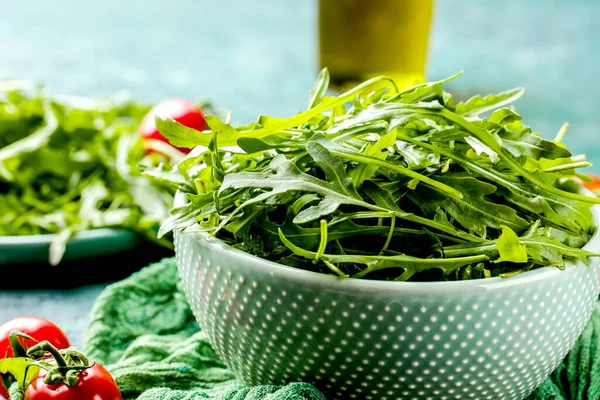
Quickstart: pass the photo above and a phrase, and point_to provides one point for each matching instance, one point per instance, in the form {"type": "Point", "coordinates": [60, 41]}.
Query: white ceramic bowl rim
{"type": "Point", "coordinates": [267, 267]}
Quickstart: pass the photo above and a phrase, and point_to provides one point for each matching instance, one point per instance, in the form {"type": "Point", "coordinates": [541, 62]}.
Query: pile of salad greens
{"type": "Point", "coordinates": [384, 184]}
{"type": "Point", "coordinates": [68, 165]}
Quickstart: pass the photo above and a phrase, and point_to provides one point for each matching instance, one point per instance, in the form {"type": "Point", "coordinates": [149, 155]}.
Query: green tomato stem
{"type": "Point", "coordinates": [47, 347]}
{"type": "Point", "coordinates": [17, 348]}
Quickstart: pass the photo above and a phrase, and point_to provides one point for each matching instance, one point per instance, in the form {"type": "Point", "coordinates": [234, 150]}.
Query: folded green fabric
{"type": "Point", "coordinates": [578, 376]}
{"type": "Point", "coordinates": [143, 330]}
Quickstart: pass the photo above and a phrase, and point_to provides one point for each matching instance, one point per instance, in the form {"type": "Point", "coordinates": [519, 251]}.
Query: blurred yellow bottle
{"type": "Point", "coordinates": [359, 39]}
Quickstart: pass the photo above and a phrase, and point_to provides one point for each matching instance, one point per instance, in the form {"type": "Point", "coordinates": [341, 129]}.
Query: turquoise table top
{"type": "Point", "coordinates": [259, 57]}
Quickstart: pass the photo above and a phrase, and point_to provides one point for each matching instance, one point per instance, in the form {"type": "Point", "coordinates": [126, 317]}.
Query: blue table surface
{"type": "Point", "coordinates": [259, 57]}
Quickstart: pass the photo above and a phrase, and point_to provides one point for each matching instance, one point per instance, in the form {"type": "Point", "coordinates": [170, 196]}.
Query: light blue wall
{"type": "Point", "coordinates": [260, 56]}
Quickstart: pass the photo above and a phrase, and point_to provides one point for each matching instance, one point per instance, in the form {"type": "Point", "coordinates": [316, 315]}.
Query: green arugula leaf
{"type": "Point", "coordinates": [319, 88]}
{"type": "Point", "coordinates": [568, 214]}
{"type": "Point", "coordinates": [333, 168]}
{"type": "Point", "coordinates": [414, 156]}
{"type": "Point", "coordinates": [522, 143]}
{"type": "Point", "coordinates": [425, 92]}
{"type": "Point", "coordinates": [478, 105]}
{"type": "Point", "coordinates": [346, 153]}
{"type": "Point", "coordinates": [504, 115]}
{"type": "Point", "coordinates": [288, 177]}
{"type": "Point", "coordinates": [181, 136]}
{"type": "Point", "coordinates": [481, 148]}
{"type": "Point", "coordinates": [181, 217]}
{"type": "Point", "coordinates": [380, 196]}
{"type": "Point", "coordinates": [474, 211]}
{"type": "Point", "coordinates": [509, 247]}
{"type": "Point", "coordinates": [160, 176]}
{"type": "Point", "coordinates": [273, 125]}
{"type": "Point", "coordinates": [378, 150]}
{"type": "Point", "coordinates": [254, 145]}
{"type": "Point", "coordinates": [58, 246]}
{"type": "Point", "coordinates": [546, 251]}
{"type": "Point", "coordinates": [27, 144]}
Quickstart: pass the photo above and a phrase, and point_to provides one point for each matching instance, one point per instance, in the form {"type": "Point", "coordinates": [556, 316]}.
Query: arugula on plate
{"type": "Point", "coordinates": [385, 184]}
{"type": "Point", "coordinates": [69, 165]}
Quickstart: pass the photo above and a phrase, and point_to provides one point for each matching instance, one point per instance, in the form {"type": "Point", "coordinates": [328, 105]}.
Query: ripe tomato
{"type": "Point", "coordinates": [181, 110]}
{"type": "Point", "coordinates": [38, 328]}
{"type": "Point", "coordinates": [594, 185]}
{"type": "Point", "coordinates": [95, 383]}
{"type": "Point", "coordinates": [3, 392]}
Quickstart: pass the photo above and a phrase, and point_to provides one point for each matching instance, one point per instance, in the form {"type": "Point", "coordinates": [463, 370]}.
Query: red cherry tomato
{"type": "Point", "coordinates": [181, 110]}
{"type": "Point", "coordinates": [3, 392]}
{"type": "Point", "coordinates": [95, 383]}
{"type": "Point", "coordinates": [38, 328]}
{"type": "Point", "coordinates": [594, 185]}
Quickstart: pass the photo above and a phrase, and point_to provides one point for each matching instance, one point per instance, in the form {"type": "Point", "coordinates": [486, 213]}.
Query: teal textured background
{"type": "Point", "coordinates": [259, 57]}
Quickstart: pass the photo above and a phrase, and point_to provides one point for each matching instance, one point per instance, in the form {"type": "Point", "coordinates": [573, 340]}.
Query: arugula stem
{"type": "Point", "coordinates": [406, 275]}
{"type": "Point", "coordinates": [401, 170]}
{"type": "Point", "coordinates": [580, 164]}
{"type": "Point", "coordinates": [372, 128]}
{"type": "Point", "coordinates": [561, 132]}
{"type": "Point", "coordinates": [464, 251]}
{"type": "Point", "coordinates": [300, 118]}
{"type": "Point", "coordinates": [323, 243]}
{"type": "Point", "coordinates": [378, 214]}
{"type": "Point", "coordinates": [430, 223]}
{"type": "Point", "coordinates": [390, 235]}
{"type": "Point", "coordinates": [335, 269]}
{"type": "Point", "coordinates": [376, 263]}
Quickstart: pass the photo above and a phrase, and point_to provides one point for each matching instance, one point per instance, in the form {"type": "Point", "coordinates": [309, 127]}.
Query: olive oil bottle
{"type": "Point", "coordinates": [359, 39]}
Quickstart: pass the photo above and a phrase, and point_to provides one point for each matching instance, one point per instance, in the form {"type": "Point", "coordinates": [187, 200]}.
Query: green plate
{"type": "Point", "coordinates": [92, 243]}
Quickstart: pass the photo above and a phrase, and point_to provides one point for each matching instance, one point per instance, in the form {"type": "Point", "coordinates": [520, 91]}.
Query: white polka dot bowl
{"type": "Point", "coordinates": [496, 338]}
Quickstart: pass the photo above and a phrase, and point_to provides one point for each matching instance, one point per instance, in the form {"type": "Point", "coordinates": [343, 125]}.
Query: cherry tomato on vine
{"type": "Point", "coordinates": [95, 383]}
{"type": "Point", "coordinates": [38, 328]}
{"type": "Point", "coordinates": [181, 110]}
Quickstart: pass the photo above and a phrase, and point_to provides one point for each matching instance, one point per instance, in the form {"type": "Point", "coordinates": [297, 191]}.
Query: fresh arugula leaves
{"type": "Point", "coordinates": [66, 166]}
{"type": "Point", "coordinates": [381, 184]}
{"type": "Point", "coordinates": [479, 105]}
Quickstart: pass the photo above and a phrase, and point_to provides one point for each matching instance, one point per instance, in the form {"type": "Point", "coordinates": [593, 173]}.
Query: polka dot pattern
{"type": "Point", "coordinates": [273, 325]}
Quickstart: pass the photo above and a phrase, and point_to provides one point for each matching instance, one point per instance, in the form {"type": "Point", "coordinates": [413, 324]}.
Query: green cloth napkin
{"type": "Point", "coordinates": [143, 329]}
